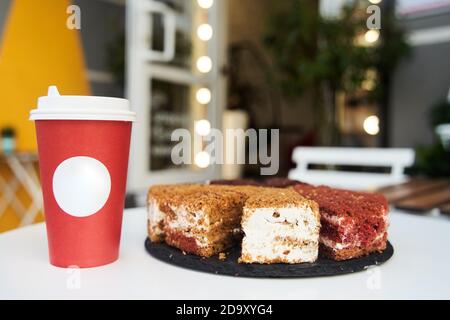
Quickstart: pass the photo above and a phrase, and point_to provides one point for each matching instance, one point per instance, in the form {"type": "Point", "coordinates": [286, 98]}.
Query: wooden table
{"type": "Point", "coordinates": [420, 195]}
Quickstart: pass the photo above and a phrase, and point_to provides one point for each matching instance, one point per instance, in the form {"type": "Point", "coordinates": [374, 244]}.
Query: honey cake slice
{"type": "Point", "coordinates": [157, 205]}
{"type": "Point", "coordinates": [198, 219]}
{"type": "Point", "coordinates": [280, 227]}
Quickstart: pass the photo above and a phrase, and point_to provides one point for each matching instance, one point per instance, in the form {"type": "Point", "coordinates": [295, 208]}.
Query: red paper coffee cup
{"type": "Point", "coordinates": [83, 146]}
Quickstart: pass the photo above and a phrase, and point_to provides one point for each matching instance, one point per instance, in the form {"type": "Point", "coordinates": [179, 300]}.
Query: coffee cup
{"type": "Point", "coordinates": [83, 146]}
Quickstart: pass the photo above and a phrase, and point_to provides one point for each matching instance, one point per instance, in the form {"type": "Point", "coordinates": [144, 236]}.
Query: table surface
{"type": "Point", "coordinates": [418, 269]}
{"type": "Point", "coordinates": [419, 195]}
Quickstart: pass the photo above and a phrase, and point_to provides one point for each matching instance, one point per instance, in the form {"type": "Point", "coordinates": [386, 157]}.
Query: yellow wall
{"type": "Point", "coordinates": [37, 50]}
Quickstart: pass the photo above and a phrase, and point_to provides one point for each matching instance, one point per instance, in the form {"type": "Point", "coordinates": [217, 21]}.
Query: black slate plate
{"type": "Point", "coordinates": [322, 267]}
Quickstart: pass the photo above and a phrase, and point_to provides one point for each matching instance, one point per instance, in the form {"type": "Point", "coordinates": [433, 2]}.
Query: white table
{"type": "Point", "coordinates": [418, 269]}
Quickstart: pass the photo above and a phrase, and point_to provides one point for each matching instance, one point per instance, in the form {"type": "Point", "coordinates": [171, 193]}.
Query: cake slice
{"type": "Point", "coordinates": [280, 227]}
{"type": "Point", "coordinates": [353, 223]}
{"type": "Point", "coordinates": [198, 219]}
{"type": "Point", "coordinates": [158, 202]}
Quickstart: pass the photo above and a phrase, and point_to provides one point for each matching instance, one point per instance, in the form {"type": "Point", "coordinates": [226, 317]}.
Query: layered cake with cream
{"type": "Point", "coordinates": [278, 224]}
{"type": "Point", "coordinates": [198, 219]}
{"type": "Point", "coordinates": [280, 227]}
{"type": "Point", "coordinates": [353, 223]}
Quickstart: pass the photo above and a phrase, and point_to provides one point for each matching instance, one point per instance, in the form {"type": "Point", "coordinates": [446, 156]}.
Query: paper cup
{"type": "Point", "coordinates": [83, 160]}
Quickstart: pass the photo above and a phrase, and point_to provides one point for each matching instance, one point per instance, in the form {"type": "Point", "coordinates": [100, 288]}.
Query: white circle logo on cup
{"type": "Point", "coordinates": [81, 186]}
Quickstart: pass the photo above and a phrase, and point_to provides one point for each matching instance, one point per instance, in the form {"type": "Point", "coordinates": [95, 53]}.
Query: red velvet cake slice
{"type": "Point", "coordinates": [353, 223]}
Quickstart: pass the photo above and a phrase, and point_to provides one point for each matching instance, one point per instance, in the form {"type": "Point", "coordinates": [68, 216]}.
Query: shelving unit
{"type": "Point", "coordinates": [175, 50]}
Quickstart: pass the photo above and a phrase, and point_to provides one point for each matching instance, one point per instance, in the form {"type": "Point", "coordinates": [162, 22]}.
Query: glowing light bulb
{"type": "Point", "coordinates": [205, 4]}
{"type": "Point", "coordinates": [375, 1]}
{"type": "Point", "coordinates": [204, 32]}
{"type": "Point", "coordinates": [203, 95]}
{"type": "Point", "coordinates": [204, 64]}
{"type": "Point", "coordinates": [203, 127]}
{"type": "Point", "coordinates": [372, 35]}
{"type": "Point", "coordinates": [371, 125]}
{"type": "Point", "coordinates": [202, 159]}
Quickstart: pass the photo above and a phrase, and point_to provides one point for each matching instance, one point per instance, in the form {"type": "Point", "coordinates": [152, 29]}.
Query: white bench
{"type": "Point", "coordinates": [396, 159]}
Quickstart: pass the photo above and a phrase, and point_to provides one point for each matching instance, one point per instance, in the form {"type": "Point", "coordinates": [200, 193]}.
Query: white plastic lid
{"type": "Point", "coordinates": [57, 107]}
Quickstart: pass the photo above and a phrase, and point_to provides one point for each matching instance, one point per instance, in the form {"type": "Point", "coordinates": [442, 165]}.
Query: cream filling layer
{"type": "Point", "coordinates": [339, 245]}
{"type": "Point", "coordinates": [290, 233]}
{"type": "Point", "coordinates": [155, 217]}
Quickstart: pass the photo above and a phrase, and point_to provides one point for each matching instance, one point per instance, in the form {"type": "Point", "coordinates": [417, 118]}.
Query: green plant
{"type": "Point", "coordinates": [323, 55]}
{"type": "Point", "coordinates": [440, 113]}
{"type": "Point", "coordinates": [308, 49]}
{"type": "Point", "coordinates": [433, 161]}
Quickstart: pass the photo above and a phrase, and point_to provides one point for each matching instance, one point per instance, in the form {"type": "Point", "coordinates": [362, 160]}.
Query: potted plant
{"type": "Point", "coordinates": [8, 140]}
{"type": "Point", "coordinates": [440, 120]}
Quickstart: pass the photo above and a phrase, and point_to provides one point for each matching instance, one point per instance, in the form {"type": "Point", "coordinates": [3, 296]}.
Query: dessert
{"type": "Point", "coordinates": [205, 220]}
{"type": "Point", "coordinates": [353, 223]}
{"type": "Point", "coordinates": [199, 219]}
{"type": "Point", "coordinates": [157, 202]}
{"type": "Point", "coordinates": [280, 227]}
{"type": "Point", "coordinates": [275, 224]}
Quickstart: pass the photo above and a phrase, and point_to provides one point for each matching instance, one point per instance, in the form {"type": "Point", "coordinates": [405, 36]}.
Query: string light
{"type": "Point", "coordinates": [204, 32]}
{"type": "Point", "coordinates": [204, 64]}
{"type": "Point", "coordinates": [205, 4]}
{"type": "Point", "coordinates": [203, 96]}
{"type": "Point", "coordinates": [372, 35]}
{"type": "Point", "coordinates": [202, 159]}
{"type": "Point", "coordinates": [203, 127]}
{"type": "Point", "coordinates": [371, 125]}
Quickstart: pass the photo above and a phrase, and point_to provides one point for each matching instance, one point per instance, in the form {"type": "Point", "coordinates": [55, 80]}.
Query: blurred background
{"type": "Point", "coordinates": [370, 75]}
